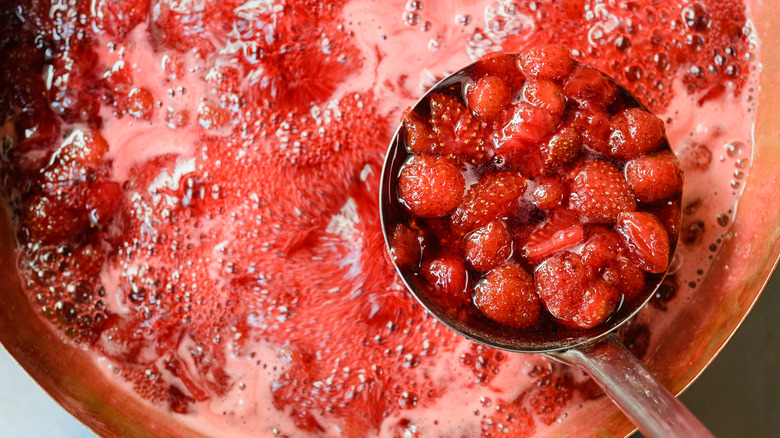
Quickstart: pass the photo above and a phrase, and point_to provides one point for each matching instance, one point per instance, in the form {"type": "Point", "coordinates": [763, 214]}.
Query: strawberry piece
{"type": "Point", "coordinates": [140, 103]}
{"type": "Point", "coordinates": [501, 65]}
{"type": "Point", "coordinates": [635, 132]}
{"type": "Point", "coordinates": [447, 274]}
{"type": "Point", "coordinates": [488, 97]}
{"type": "Point", "coordinates": [430, 187]}
{"type": "Point", "coordinates": [85, 146]}
{"type": "Point", "coordinates": [458, 131]}
{"type": "Point", "coordinates": [492, 197]}
{"type": "Point", "coordinates": [646, 240]}
{"type": "Point", "coordinates": [598, 301]}
{"type": "Point", "coordinates": [103, 202]}
{"type": "Point", "coordinates": [561, 231]}
{"type": "Point", "coordinates": [602, 248]}
{"type": "Point", "coordinates": [562, 148]}
{"type": "Point", "coordinates": [49, 220]}
{"type": "Point", "coordinates": [420, 138]}
{"type": "Point", "coordinates": [549, 62]}
{"type": "Point", "coordinates": [544, 94]}
{"type": "Point", "coordinates": [524, 126]}
{"type": "Point", "coordinates": [548, 193]}
{"type": "Point", "coordinates": [625, 276]}
{"type": "Point", "coordinates": [488, 246]}
{"type": "Point", "coordinates": [587, 85]}
{"type": "Point", "coordinates": [120, 17]}
{"type": "Point", "coordinates": [656, 177]}
{"type": "Point", "coordinates": [405, 247]}
{"type": "Point", "coordinates": [594, 126]}
{"type": "Point", "coordinates": [599, 193]}
{"type": "Point", "coordinates": [507, 296]}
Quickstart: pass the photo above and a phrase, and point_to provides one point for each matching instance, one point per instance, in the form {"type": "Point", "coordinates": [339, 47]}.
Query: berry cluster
{"type": "Point", "coordinates": [535, 183]}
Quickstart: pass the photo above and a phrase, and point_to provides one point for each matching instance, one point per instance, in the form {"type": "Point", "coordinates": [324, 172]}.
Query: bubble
{"type": "Point", "coordinates": [723, 220]}
{"type": "Point", "coordinates": [661, 61]}
{"type": "Point", "coordinates": [463, 20]}
{"type": "Point", "coordinates": [80, 291]}
{"type": "Point", "coordinates": [738, 174]}
{"type": "Point", "coordinates": [65, 312]}
{"type": "Point", "coordinates": [633, 73]}
{"type": "Point", "coordinates": [412, 18]}
{"type": "Point", "coordinates": [734, 149]}
{"type": "Point", "coordinates": [696, 17]}
{"type": "Point", "coordinates": [622, 43]}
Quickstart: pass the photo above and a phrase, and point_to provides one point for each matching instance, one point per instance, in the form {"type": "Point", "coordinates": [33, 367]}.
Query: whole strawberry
{"type": "Point", "coordinates": [635, 132]}
{"type": "Point", "coordinates": [549, 62]}
{"type": "Point", "coordinates": [599, 193]}
{"type": "Point", "coordinates": [430, 186]}
{"type": "Point", "coordinates": [646, 240]}
{"type": "Point", "coordinates": [488, 97]}
{"type": "Point", "coordinates": [446, 273]}
{"type": "Point", "coordinates": [507, 296]}
{"type": "Point", "coordinates": [492, 197]}
{"type": "Point", "coordinates": [459, 133]}
{"type": "Point", "coordinates": [655, 177]}
{"type": "Point", "coordinates": [488, 246]}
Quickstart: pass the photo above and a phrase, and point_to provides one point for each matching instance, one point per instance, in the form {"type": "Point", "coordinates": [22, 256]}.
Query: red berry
{"type": "Point", "coordinates": [588, 85]}
{"type": "Point", "coordinates": [507, 296]}
{"type": "Point", "coordinates": [544, 94]}
{"type": "Point", "coordinates": [599, 193]}
{"type": "Point", "coordinates": [635, 132]}
{"type": "Point", "coordinates": [447, 274]}
{"type": "Point", "coordinates": [656, 177]}
{"type": "Point", "coordinates": [488, 97]}
{"type": "Point", "coordinates": [103, 202]}
{"type": "Point", "coordinates": [488, 246]}
{"type": "Point", "coordinates": [140, 103]}
{"type": "Point", "coordinates": [549, 62]}
{"type": "Point", "coordinates": [625, 276]}
{"type": "Point", "coordinates": [646, 240]}
{"type": "Point", "coordinates": [602, 248]}
{"type": "Point", "coordinates": [527, 124]}
{"type": "Point", "coordinates": [562, 148]}
{"type": "Point", "coordinates": [420, 138]}
{"type": "Point", "coordinates": [598, 301]}
{"type": "Point", "coordinates": [561, 231]}
{"type": "Point", "coordinates": [405, 247]}
{"type": "Point", "coordinates": [502, 65]}
{"type": "Point", "coordinates": [548, 193]}
{"type": "Point", "coordinates": [430, 187]}
{"type": "Point", "coordinates": [457, 130]}
{"type": "Point", "coordinates": [492, 197]}
{"type": "Point", "coordinates": [49, 220]}
{"type": "Point", "coordinates": [593, 125]}
{"type": "Point", "coordinates": [85, 146]}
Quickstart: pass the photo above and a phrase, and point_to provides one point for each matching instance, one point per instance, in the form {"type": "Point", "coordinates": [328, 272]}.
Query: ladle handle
{"type": "Point", "coordinates": [643, 399]}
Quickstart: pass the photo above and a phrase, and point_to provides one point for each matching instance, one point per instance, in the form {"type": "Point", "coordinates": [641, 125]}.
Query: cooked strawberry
{"type": "Point", "coordinates": [405, 247]}
{"type": "Point", "coordinates": [670, 215]}
{"type": "Point", "coordinates": [49, 220]}
{"type": "Point", "coordinates": [655, 177]}
{"type": "Point", "coordinates": [420, 138]}
{"type": "Point", "coordinates": [593, 125]}
{"type": "Point", "coordinates": [507, 296]}
{"type": "Point", "coordinates": [625, 276]}
{"type": "Point", "coordinates": [635, 132]}
{"type": "Point", "coordinates": [587, 85]}
{"type": "Point", "coordinates": [646, 240]}
{"type": "Point", "coordinates": [103, 202]}
{"type": "Point", "coordinates": [447, 274]}
{"type": "Point", "coordinates": [549, 62]}
{"type": "Point", "coordinates": [560, 281]}
{"type": "Point", "coordinates": [488, 97]}
{"type": "Point", "coordinates": [502, 65]}
{"type": "Point", "coordinates": [561, 231]}
{"type": "Point", "coordinates": [602, 247]}
{"type": "Point", "coordinates": [599, 193]}
{"type": "Point", "coordinates": [562, 148]}
{"type": "Point", "coordinates": [598, 301]}
{"type": "Point", "coordinates": [140, 103]}
{"type": "Point", "coordinates": [430, 187]}
{"type": "Point", "coordinates": [458, 131]}
{"type": "Point", "coordinates": [549, 193]}
{"type": "Point", "coordinates": [488, 246]}
{"type": "Point", "coordinates": [492, 197]}
{"type": "Point", "coordinates": [527, 125]}
{"type": "Point", "coordinates": [85, 146]}
{"type": "Point", "coordinates": [544, 94]}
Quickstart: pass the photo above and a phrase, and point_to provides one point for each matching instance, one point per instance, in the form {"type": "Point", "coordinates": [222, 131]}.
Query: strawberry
{"type": "Point", "coordinates": [562, 148]}
{"type": "Point", "coordinates": [561, 231]}
{"type": "Point", "coordinates": [548, 193]}
{"type": "Point", "coordinates": [523, 126]}
{"type": "Point", "coordinates": [646, 240]}
{"type": "Point", "coordinates": [625, 276]}
{"type": "Point", "coordinates": [49, 220]}
{"type": "Point", "coordinates": [548, 62]}
{"type": "Point", "coordinates": [140, 103]}
{"type": "Point", "coordinates": [501, 65]}
{"type": "Point", "coordinates": [488, 246]}
{"type": "Point", "coordinates": [492, 197]}
{"type": "Point", "coordinates": [420, 138]}
{"type": "Point", "coordinates": [458, 131]}
{"type": "Point", "coordinates": [593, 124]}
{"type": "Point", "coordinates": [635, 132]}
{"type": "Point", "coordinates": [447, 274]}
{"type": "Point", "coordinates": [544, 94]}
{"type": "Point", "coordinates": [602, 247]}
{"type": "Point", "coordinates": [656, 177]}
{"type": "Point", "coordinates": [587, 85]}
{"type": "Point", "coordinates": [103, 202]}
{"type": "Point", "coordinates": [405, 247]}
{"type": "Point", "coordinates": [598, 301]}
{"type": "Point", "coordinates": [507, 296]}
{"type": "Point", "coordinates": [430, 187]}
{"type": "Point", "coordinates": [599, 193]}
{"type": "Point", "coordinates": [85, 146]}
{"type": "Point", "coordinates": [488, 97]}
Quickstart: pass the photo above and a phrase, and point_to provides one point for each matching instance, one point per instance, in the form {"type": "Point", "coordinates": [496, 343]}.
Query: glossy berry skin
{"type": "Point", "coordinates": [635, 132]}
{"type": "Point", "coordinates": [49, 220]}
{"type": "Point", "coordinates": [563, 147]}
{"type": "Point", "coordinates": [601, 248]}
{"type": "Point", "coordinates": [544, 94]}
{"type": "Point", "coordinates": [646, 240]}
{"type": "Point", "coordinates": [547, 62]}
{"type": "Point", "coordinates": [561, 231]}
{"type": "Point", "coordinates": [488, 246]}
{"type": "Point", "coordinates": [589, 86]}
{"type": "Point", "coordinates": [446, 273]}
{"type": "Point", "coordinates": [656, 177]}
{"type": "Point", "coordinates": [405, 247]}
{"type": "Point", "coordinates": [488, 97]}
{"type": "Point", "coordinates": [430, 187]}
{"type": "Point", "coordinates": [459, 133]}
{"type": "Point", "coordinates": [599, 193]}
{"type": "Point", "coordinates": [420, 138]}
{"type": "Point", "coordinates": [549, 193]}
{"type": "Point", "coordinates": [507, 296]}
{"type": "Point", "coordinates": [492, 197]}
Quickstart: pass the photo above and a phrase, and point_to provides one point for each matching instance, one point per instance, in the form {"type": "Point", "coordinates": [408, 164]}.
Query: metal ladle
{"type": "Point", "coordinates": [644, 400]}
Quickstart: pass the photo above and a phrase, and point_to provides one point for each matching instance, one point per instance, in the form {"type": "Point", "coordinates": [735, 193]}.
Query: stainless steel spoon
{"type": "Point", "coordinates": [644, 400]}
